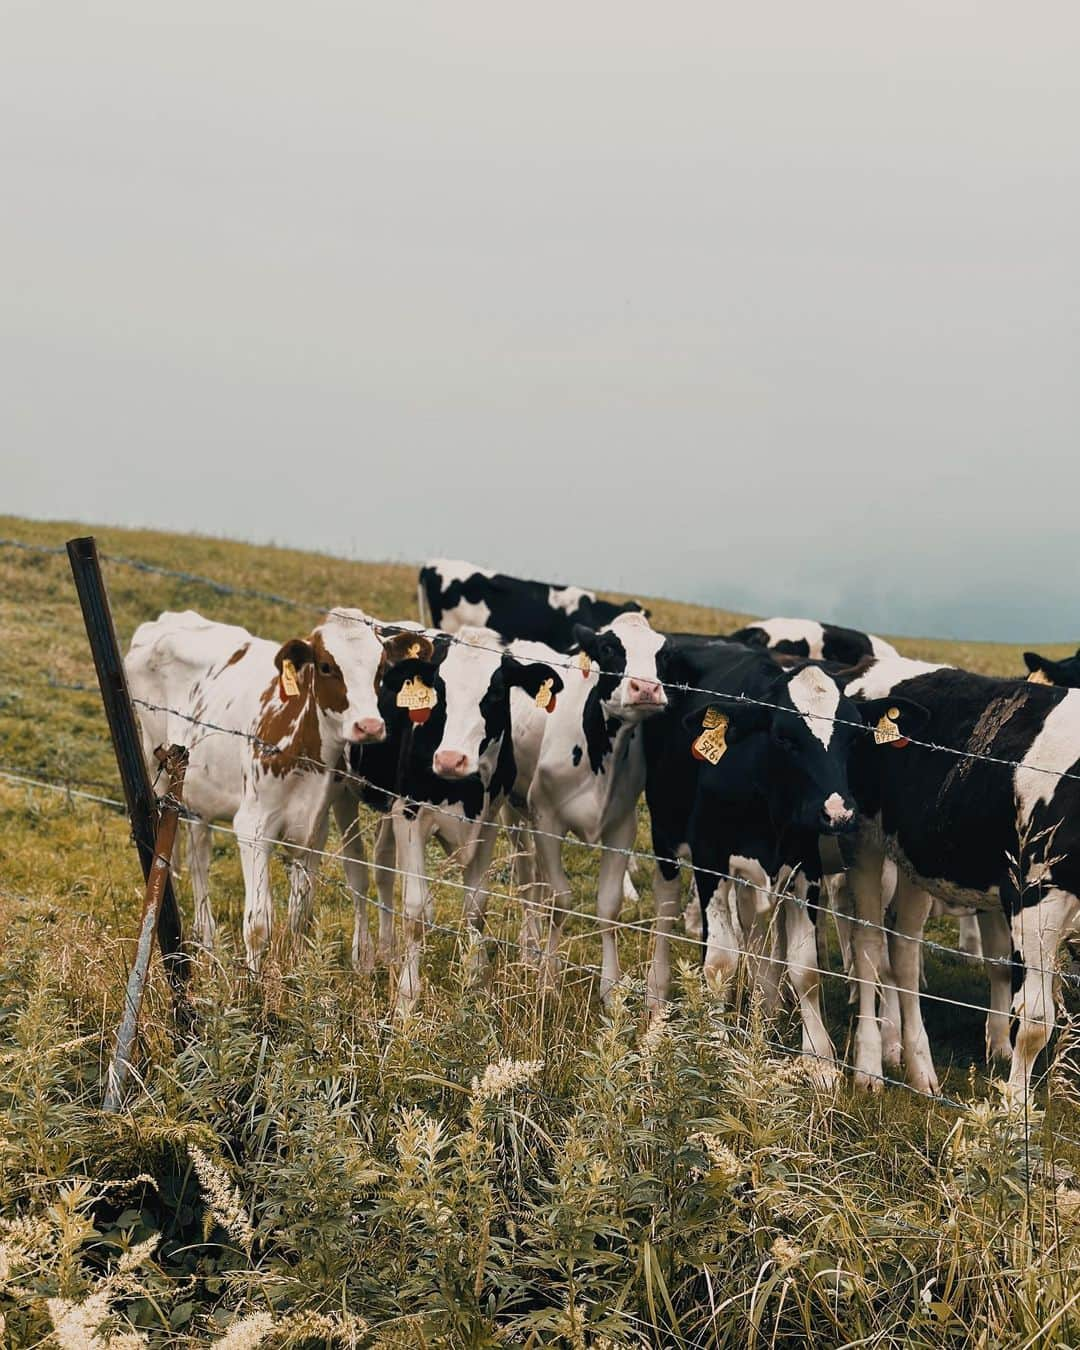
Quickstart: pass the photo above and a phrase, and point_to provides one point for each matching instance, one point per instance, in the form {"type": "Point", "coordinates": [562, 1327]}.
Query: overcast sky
{"type": "Point", "coordinates": [774, 306]}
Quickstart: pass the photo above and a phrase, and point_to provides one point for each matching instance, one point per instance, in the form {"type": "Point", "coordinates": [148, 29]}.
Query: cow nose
{"type": "Point", "coordinates": [837, 816]}
{"type": "Point", "coordinates": [451, 763]}
{"type": "Point", "coordinates": [369, 729]}
{"type": "Point", "coordinates": [645, 691]}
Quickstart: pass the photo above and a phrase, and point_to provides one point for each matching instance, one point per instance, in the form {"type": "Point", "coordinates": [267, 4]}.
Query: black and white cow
{"type": "Point", "coordinates": [444, 770]}
{"type": "Point", "coordinates": [581, 771]}
{"type": "Point", "coordinates": [818, 641]}
{"type": "Point", "coordinates": [972, 831]}
{"type": "Point", "coordinates": [453, 594]}
{"type": "Point", "coordinates": [1045, 671]}
{"type": "Point", "coordinates": [746, 790]}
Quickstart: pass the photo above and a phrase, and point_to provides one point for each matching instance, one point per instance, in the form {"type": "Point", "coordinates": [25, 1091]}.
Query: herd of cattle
{"type": "Point", "coordinates": [795, 765]}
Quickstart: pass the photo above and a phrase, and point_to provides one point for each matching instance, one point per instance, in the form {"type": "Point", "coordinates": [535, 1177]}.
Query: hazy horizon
{"type": "Point", "coordinates": [770, 309]}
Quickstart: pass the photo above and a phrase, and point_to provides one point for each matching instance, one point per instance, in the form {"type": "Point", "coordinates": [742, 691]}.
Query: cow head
{"type": "Point", "coordinates": [471, 678]}
{"type": "Point", "coordinates": [794, 743]}
{"type": "Point", "coordinates": [1044, 671]}
{"type": "Point", "coordinates": [625, 654]}
{"type": "Point", "coordinates": [334, 669]}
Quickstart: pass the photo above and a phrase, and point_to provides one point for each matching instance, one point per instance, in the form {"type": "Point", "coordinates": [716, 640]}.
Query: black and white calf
{"type": "Point", "coordinates": [972, 831]}
{"type": "Point", "coordinates": [581, 771]}
{"type": "Point", "coordinates": [445, 770]}
{"type": "Point", "coordinates": [453, 594]}
{"type": "Point", "coordinates": [746, 789]}
{"type": "Point", "coordinates": [817, 641]}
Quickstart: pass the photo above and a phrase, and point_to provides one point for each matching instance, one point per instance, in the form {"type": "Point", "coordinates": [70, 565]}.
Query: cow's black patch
{"type": "Point", "coordinates": [575, 756]}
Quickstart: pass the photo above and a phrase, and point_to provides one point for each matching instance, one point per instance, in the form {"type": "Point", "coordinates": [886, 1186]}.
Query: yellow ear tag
{"type": "Point", "coordinates": [583, 663]}
{"type": "Point", "coordinates": [544, 697]}
{"type": "Point", "coordinates": [886, 730]}
{"type": "Point", "coordinates": [418, 698]}
{"type": "Point", "coordinates": [1039, 677]}
{"type": "Point", "coordinates": [712, 743]}
{"type": "Point", "coordinates": [289, 686]}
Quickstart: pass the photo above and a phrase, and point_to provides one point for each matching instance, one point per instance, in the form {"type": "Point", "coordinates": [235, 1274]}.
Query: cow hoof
{"type": "Point", "coordinates": [892, 1055]}
{"type": "Point", "coordinates": [867, 1082]}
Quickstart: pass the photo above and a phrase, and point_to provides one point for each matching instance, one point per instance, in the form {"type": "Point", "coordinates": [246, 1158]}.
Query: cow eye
{"type": "Point", "coordinates": [325, 668]}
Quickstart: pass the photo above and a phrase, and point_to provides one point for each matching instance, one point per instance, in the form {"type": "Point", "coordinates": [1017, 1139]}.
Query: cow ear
{"type": "Point", "coordinates": [910, 719]}
{"type": "Point", "coordinates": [407, 646]}
{"type": "Point", "coordinates": [297, 650]}
{"type": "Point", "coordinates": [586, 640]}
{"type": "Point", "coordinates": [530, 675]}
{"type": "Point", "coordinates": [1043, 670]}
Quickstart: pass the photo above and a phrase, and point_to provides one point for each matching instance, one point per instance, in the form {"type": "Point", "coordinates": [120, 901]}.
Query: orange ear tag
{"type": "Point", "coordinates": [418, 699]}
{"type": "Point", "coordinates": [287, 684]}
{"type": "Point", "coordinates": [545, 698]}
{"type": "Point", "coordinates": [1039, 677]}
{"type": "Point", "coordinates": [711, 745]}
{"type": "Point", "coordinates": [583, 663]}
{"type": "Point", "coordinates": [888, 733]}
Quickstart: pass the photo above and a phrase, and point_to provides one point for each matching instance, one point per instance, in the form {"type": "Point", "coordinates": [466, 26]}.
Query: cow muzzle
{"type": "Point", "coordinates": [645, 694]}
{"type": "Point", "coordinates": [368, 729]}
{"type": "Point", "coordinates": [452, 764]}
{"type": "Point", "coordinates": [837, 815]}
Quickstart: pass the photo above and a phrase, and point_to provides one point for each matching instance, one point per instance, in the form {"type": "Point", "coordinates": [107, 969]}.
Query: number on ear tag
{"type": "Point", "coordinates": [545, 698]}
{"type": "Point", "coordinates": [1039, 677]}
{"type": "Point", "coordinates": [887, 732]}
{"type": "Point", "coordinates": [711, 745]}
{"type": "Point", "coordinates": [418, 698]}
{"type": "Point", "coordinates": [583, 663]}
{"type": "Point", "coordinates": [289, 686]}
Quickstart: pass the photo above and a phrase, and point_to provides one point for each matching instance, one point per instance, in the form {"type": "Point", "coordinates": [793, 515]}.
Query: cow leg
{"type": "Point", "coordinates": [385, 860]}
{"type": "Point", "coordinates": [805, 976]}
{"type": "Point", "coordinates": [912, 906]}
{"type": "Point", "coordinates": [756, 907]}
{"type": "Point", "coordinates": [892, 1038]}
{"type": "Point", "coordinates": [869, 958]}
{"type": "Point", "coordinates": [558, 898]}
{"type": "Point", "coordinates": [996, 947]}
{"type": "Point", "coordinates": [255, 849]}
{"type": "Point", "coordinates": [1036, 931]}
{"type": "Point", "coordinates": [722, 945]}
{"type": "Point", "coordinates": [409, 840]}
{"type": "Point", "coordinates": [971, 936]}
{"type": "Point", "coordinates": [356, 875]}
{"type": "Point", "coordinates": [667, 892]}
{"type": "Point", "coordinates": [199, 864]}
{"type": "Point", "coordinates": [691, 918]}
{"type": "Point", "coordinates": [609, 897]}
{"type": "Point", "coordinates": [476, 898]}
{"type": "Point", "coordinates": [629, 890]}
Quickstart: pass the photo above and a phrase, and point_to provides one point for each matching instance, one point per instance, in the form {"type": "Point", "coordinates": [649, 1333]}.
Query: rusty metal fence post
{"type": "Point", "coordinates": [142, 804]}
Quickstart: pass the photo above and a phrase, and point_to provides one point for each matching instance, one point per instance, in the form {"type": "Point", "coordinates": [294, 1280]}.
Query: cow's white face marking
{"type": "Point", "coordinates": [467, 672]}
{"type": "Point", "coordinates": [836, 809]}
{"type": "Point", "coordinates": [1056, 747]}
{"type": "Point", "coordinates": [639, 692]}
{"type": "Point", "coordinates": [817, 697]}
{"type": "Point", "coordinates": [349, 637]}
{"type": "Point", "coordinates": [568, 598]}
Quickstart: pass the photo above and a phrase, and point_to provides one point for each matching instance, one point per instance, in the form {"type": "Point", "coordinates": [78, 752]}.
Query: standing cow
{"type": "Point", "coordinates": [445, 771]}
{"type": "Point", "coordinates": [817, 641]}
{"type": "Point", "coordinates": [970, 830]}
{"type": "Point", "coordinates": [297, 706]}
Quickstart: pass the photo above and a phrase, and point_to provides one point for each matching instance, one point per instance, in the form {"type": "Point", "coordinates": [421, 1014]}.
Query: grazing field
{"type": "Point", "coordinates": [505, 1168]}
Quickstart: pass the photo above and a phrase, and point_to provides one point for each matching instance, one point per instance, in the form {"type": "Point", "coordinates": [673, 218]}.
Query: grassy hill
{"type": "Point", "coordinates": [309, 1162]}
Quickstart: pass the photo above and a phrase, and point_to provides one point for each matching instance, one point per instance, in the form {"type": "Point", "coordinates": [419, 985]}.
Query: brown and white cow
{"type": "Point", "coordinates": [297, 706]}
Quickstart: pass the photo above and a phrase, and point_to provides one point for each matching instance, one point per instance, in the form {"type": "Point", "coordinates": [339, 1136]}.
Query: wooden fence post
{"type": "Point", "coordinates": [142, 804]}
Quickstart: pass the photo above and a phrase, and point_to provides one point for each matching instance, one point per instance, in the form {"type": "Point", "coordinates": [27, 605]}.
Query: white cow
{"type": "Point", "coordinates": [297, 704]}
